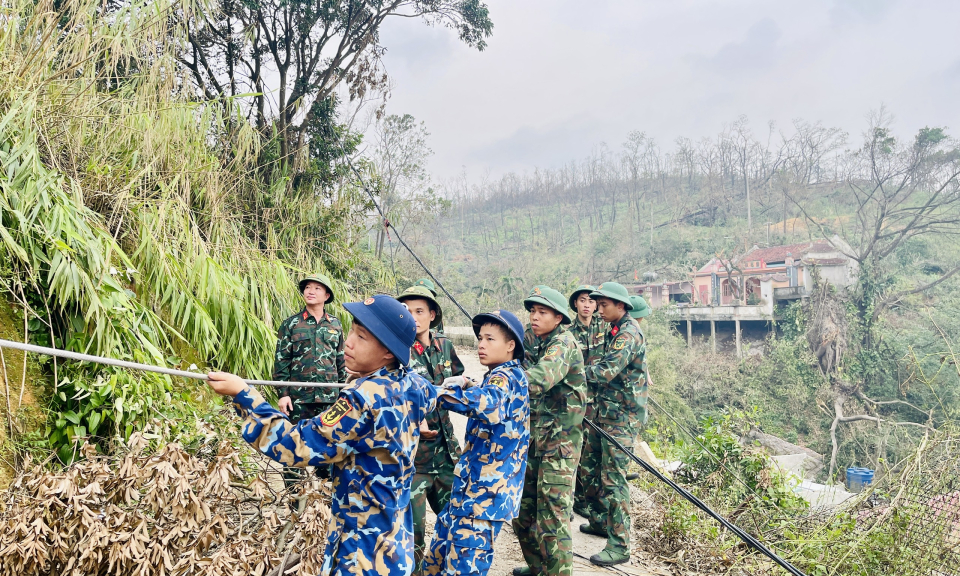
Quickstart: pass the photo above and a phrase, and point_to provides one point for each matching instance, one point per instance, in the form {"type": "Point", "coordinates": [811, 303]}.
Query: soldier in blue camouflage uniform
{"type": "Point", "coordinates": [434, 358]}
{"type": "Point", "coordinates": [589, 329]}
{"type": "Point", "coordinates": [310, 349]}
{"type": "Point", "coordinates": [369, 435]}
{"type": "Point", "coordinates": [621, 384]}
{"type": "Point", "coordinates": [554, 367]}
{"type": "Point", "coordinates": [489, 475]}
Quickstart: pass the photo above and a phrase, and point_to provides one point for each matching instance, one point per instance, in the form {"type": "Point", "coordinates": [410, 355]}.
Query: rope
{"type": "Point", "coordinates": [150, 368]}
{"type": "Point", "coordinates": [746, 537]}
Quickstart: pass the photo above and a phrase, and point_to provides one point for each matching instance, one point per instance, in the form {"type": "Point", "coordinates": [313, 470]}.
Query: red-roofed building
{"type": "Point", "coordinates": [775, 273]}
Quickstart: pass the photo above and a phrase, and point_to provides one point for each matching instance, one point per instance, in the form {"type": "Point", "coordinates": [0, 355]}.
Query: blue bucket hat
{"type": "Point", "coordinates": [389, 321]}
{"type": "Point", "coordinates": [506, 319]}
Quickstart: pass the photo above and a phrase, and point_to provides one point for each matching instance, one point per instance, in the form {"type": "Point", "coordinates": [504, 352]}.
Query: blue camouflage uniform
{"type": "Point", "coordinates": [489, 475]}
{"type": "Point", "coordinates": [370, 436]}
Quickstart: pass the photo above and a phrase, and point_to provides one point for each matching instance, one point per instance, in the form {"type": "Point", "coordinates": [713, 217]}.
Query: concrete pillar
{"type": "Point", "coordinates": [689, 333]}
{"type": "Point", "coordinates": [739, 355]}
{"type": "Point", "coordinates": [713, 335]}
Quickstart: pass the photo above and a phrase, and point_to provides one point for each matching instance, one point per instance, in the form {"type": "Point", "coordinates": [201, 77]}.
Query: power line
{"type": "Point", "coordinates": [746, 537]}
{"type": "Point", "coordinates": [386, 224]}
{"type": "Point", "coordinates": [750, 540]}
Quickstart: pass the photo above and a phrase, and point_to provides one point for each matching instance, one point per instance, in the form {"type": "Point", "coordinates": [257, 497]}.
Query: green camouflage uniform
{"type": "Point", "coordinates": [436, 457]}
{"type": "Point", "coordinates": [309, 351]}
{"type": "Point", "coordinates": [621, 383]}
{"type": "Point", "coordinates": [590, 338]}
{"type": "Point", "coordinates": [554, 367]}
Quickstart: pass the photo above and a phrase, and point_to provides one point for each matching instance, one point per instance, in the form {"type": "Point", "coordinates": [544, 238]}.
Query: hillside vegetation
{"type": "Point", "coordinates": [643, 212]}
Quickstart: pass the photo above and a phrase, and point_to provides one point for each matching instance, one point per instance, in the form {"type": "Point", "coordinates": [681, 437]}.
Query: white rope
{"type": "Point", "coordinates": [149, 368]}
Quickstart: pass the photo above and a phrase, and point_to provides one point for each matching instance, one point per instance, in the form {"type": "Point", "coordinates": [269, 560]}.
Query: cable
{"type": "Point", "coordinates": [705, 449]}
{"type": "Point", "coordinates": [746, 537]}
{"type": "Point", "coordinates": [750, 540]}
{"type": "Point", "coordinates": [386, 224]}
{"type": "Point", "coordinates": [150, 368]}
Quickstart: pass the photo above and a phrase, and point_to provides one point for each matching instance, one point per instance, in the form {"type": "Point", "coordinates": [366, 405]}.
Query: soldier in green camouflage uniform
{"type": "Point", "coordinates": [309, 349]}
{"type": "Point", "coordinates": [621, 382]}
{"type": "Point", "coordinates": [554, 367]}
{"type": "Point", "coordinates": [589, 329]}
{"type": "Point", "coordinates": [429, 285]}
{"type": "Point", "coordinates": [434, 358]}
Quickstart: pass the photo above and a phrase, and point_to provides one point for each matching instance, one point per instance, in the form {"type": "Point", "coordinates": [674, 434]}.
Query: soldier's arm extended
{"type": "Point", "coordinates": [552, 368]}
{"type": "Point", "coordinates": [331, 437]}
{"type": "Point", "coordinates": [620, 352]}
{"type": "Point", "coordinates": [281, 362]}
{"type": "Point", "coordinates": [483, 402]}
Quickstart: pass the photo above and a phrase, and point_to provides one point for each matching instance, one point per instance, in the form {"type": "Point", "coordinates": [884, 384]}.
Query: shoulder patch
{"type": "Point", "coordinates": [499, 380]}
{"type": "Point", "coordinates": [619, 343]}
{"type": "Point", "coordinates": [336, 412]}
{"type": "Point", "coordinates": [553, 350]}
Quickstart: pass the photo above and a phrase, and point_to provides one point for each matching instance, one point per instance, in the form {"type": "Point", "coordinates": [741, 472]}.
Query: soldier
{"type": "Point", "coordinates": [554, 367]}
{"type": "Point", "coordinates": [309, 349]}
{"type": "Point", "coordinates": [621, 384]}
{"type": "Point", "coordinates": [489, 475]}
{"type": "Point", "coordinates": [369, 436]}
{"type": "Point", "coordinates": [429, 285]}
{"type": "Point", "coordinates": [434, 358]}
{"type": "Point", "coordinates": [589, 329]}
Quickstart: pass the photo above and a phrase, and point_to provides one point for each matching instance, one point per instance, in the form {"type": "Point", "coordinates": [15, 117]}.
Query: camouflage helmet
{"type": "Point", "coordinates": [428, 284]}
{"type": "Point", "coordinates": [421, 293]}
{"type": "Point", "coordinates": [640, 307]}
{"type": "Point", "coordinates": [613, 291]}
{"type": "Point", "coordinates": [319, 279]}
{"type": "Point", "coordinates": [552, 299]}
{"type": "Point", "coordinates": [576, 294]}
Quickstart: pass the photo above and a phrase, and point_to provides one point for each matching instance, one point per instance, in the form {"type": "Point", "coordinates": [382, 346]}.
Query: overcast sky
{"type": "Point", "coordinates": [561, 76]}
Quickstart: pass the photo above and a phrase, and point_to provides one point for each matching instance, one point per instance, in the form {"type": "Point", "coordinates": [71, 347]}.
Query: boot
{"type": "Point", "coordinates": [608, 557]}
{"type": "Point", "coordinates": [522, 571]}
{"type": "Point", "coordinates": [595, 531]}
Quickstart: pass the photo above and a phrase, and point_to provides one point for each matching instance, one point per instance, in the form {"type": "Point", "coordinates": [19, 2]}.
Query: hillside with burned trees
{"type": "Point", "coordinates": [170, 170]}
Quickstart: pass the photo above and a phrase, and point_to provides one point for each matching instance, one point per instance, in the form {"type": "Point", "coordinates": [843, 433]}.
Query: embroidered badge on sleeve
{"type": "Point", "coordinates": [336, 412]}
{"type": "Point", "coordinates": [499, 380]}
{"type": "Point", "coordinates": [619, 343]}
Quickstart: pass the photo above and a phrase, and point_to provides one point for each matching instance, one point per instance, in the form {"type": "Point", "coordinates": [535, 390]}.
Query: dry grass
{"type": "Point", "coordinates": [163, 512]}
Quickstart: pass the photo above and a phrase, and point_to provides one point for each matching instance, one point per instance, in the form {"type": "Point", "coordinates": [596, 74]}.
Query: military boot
{"type": "Point", "coordinates": [608, 557]}
{"type": "Point", "coordinates": [600, 531]}
{"type": "Point", "coordinates": [522, 571]}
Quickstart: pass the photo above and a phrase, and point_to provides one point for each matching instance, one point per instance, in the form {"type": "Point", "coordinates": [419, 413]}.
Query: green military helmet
{"type": "Point", "coordinates": [613, 291]}
{"type": "Point", "coordinates": [576, 294]}
{"type": "Point", "coordinates": [428, 284]}
{"type": "Point", "coordinates": [640, 307]}
{"type": "Point", "coordinates": [550, 298]}
{"type": "Point", "coordinates": [422, 293]}
{"type": "Point", "coordinates": [319, 279]}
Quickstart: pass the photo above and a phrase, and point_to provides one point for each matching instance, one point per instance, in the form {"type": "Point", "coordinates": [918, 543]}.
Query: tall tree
{"type": "Point", "coordinates": [281, 56]}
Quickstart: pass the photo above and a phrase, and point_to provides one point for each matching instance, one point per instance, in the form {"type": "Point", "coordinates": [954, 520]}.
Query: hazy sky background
{"type": "Point", "coordinates": [561, 76]}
